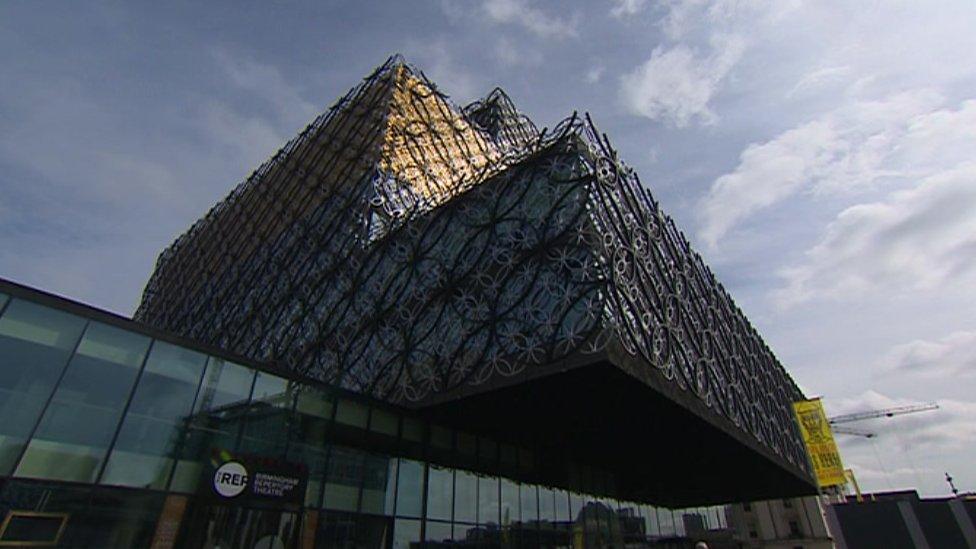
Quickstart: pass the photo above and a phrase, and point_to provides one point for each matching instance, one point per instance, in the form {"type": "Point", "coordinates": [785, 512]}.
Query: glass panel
{"type": "Point", "coordinates": [510, 502]}
{"type": "Point", "coordinates": [316, 459]}
{"type": "Point", "coordinates": [271, 390]}
{"type": "Point", "coordinates": [588, 520]}
{"type": "Point", "coordinates": [413, 430]}
{"type": "Point", "coordinates": [562, 506]}
{"type": "Point", "coordinates": [472, 534]}
{"type": "Point", "coordinates": [315, 402]}
{"type": "Point", "coordinates": [337, 529]}
{"type": "Point", "coordinates": [105, 518]}
{"type": "Point", "coordinates": [344, 476]}
{"type": "Point", "coordinates": [406, 534]}
{"type": "Point", "coordinates": [410, 488]}
{"type": "Point", "coordinates": [310, 426]}
{"type": "Point", "coordinates": [679, 524]}
{"type": "Point", "coordinates": [440, 492]}
{"type": "Point", "coordinates": [216, 419]}
{"type": "Point", "coordinates": [547, 504]}
{"type": "Point", "coordinates": [35, 343]}
{"type": "Point", "coordinates": [465, 497]}
{"type": "Point", "coordinates": [488, 500]}
{"type": "Point", "coordinates": [143, 453]}
{"type": "Point", "coordinates": [666, 521]}
{"type": "Point", "coordinates": [225, 385]}
{"type": "Point", "coordinates": [383, 421]}
{"type": "Point", "coordinates": [74, 434]}
{"type": "Point", "coordinates": [438, 532]}
{"type": "Point", "coordinates": [268, 417]}
{"type": "Point", "coordinates": [530, 503]}
{"type": "Point", "coordinates": [352, 413]}
{"type": "Point", "coordinates": [3, 301]}
{"type": "Point", "coordinates": [378, 482]}
{"type": "Point", "coordinates": [441, 437]}
{"type": "Point", "coordinates": [651, 526]}
{"type": "Point", "coordinates": [575, 505]}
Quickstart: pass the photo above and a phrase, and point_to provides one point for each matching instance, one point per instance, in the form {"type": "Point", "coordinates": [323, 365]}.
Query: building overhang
{"type": "Point", "coordinates": [660, 444]}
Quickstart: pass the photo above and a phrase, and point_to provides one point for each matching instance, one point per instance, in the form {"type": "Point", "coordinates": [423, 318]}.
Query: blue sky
{"type": "Point", "coordinates": [820, 157]}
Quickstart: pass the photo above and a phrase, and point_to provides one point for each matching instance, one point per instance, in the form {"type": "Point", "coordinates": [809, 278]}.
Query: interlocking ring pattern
{"type": "Point", "coordinates": [325, 264]}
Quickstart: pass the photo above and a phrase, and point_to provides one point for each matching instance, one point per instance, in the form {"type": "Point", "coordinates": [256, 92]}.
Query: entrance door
{"type": "Point", "coordinates": [227, 527]}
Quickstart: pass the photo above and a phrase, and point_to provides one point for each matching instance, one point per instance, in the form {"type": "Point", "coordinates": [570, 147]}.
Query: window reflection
{"type": "Point", "coordinates": [651, 524]}
{"type": "Point", "coordinates": [465, 497]}
{"type": "Point", "coordinates": [562, 506]}
{"type": "Point", "coordinates": [78, 425]}
{"type": "Point", "coordinates": [547, 504]}
{"type": "Point", "coordinates": [530, 507]}
{"type": "Point", "coordinates": [488, 500]}
{"type": "Point", "coordinates": [440, 492]}
{"type": "Point", "coordinates": [378, 485]}
{"type": "Point", "coordinates": [35, 344]}
{"type": "Point", "coordinates": [413, 430]}
{"type": "Point", "coordinates": [216, 420]}
{"type": "Point", "coordinates": [267, 415]}
{"type": "Point", "coordinates": [406, 533]}
{"type": "Point", "coordinates": [410, 488]}
{"type": "Point", "coordinates": [344, 476]}
{"type": "Point", "coordinates": [315, 458]}
{"type": "Point", "coordinates": [383, 422]}
{"type": "Point", "coordinates": [315, 402]}
{"type": "Point", "coordinates": [337, 529]}
{"type": "Point", "coordinates": [666, 522]}
{"type": "Point", "coordinates": [438, 532]}
{"type": "Point", "coordinates": [143, 454]}
{"type": "Point", "coordinates": [509, 502]}
{"type": "Point", "coordinates": [352, 413]}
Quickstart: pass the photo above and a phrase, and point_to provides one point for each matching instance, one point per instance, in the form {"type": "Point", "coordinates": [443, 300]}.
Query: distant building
{"type": "Point", "coordinates": [904, 520]}
{"type": "Point", "coordinates": [788, 523]}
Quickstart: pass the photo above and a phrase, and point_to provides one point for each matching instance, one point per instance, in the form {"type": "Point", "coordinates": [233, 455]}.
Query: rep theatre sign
{"type": "Point", "coordinates": [256, 478]}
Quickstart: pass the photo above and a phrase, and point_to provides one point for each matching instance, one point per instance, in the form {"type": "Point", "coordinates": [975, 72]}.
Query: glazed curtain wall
{"type": "Point", "coordinates": [89, 407]}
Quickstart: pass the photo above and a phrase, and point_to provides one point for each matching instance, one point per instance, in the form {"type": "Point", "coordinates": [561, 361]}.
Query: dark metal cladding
{"type": "Point", "coordinates": [408, 249]}
{"type": "Point", "coordinates": [497, 116]}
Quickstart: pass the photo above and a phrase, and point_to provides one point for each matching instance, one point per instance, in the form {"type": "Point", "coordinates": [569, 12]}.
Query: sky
{"type": "Point", "coordinates": [819, 155]}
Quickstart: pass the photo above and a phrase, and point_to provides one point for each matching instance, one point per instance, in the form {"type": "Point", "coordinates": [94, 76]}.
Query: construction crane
{"type": "Point", "coordinates": [871, 414]}
{"type": "Point", "coordinates": [852, 431]}
{"type": "Point", "coordinates": [887, 412]}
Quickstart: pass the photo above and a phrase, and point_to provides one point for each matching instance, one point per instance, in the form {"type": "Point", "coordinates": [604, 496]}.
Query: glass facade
{"type": "Point", "coordinates": [109, 436]}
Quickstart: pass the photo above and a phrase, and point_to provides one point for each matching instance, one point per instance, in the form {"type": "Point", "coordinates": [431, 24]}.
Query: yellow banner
{"type": "Point", "coordinates": [820, 442]}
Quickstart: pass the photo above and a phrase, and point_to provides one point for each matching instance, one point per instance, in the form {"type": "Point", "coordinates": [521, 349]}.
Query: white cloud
{"type": "Point", "coordinates": [952, 355]}
{"type": "Point", "coordinates": [439, 62]}
{"type": "Point", "coordinates": [915, 240]}
{"type": "Point", "coordinates": [819, 78]}
{"type": "Point", "coordinates": [534, 20]}
{"type": "Point", "coordinates": [676, 84]}
{"type": "Point", "coordinates": [248, 139]}
{"type": "Point", "coordinates": [266, 81]}
{"type": "Point", "coordinates": [595, 74]}
{"type": "Point", "coordinates": [510, 54]}
{"type": "Point", "coordinates": [850, 149]}
{"type": "Point", "coordinates": [767, 173]}
{"type": "Point", "coordinates": [685, 17]}
{"type": "Point", "coordinates": [623, 8]}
